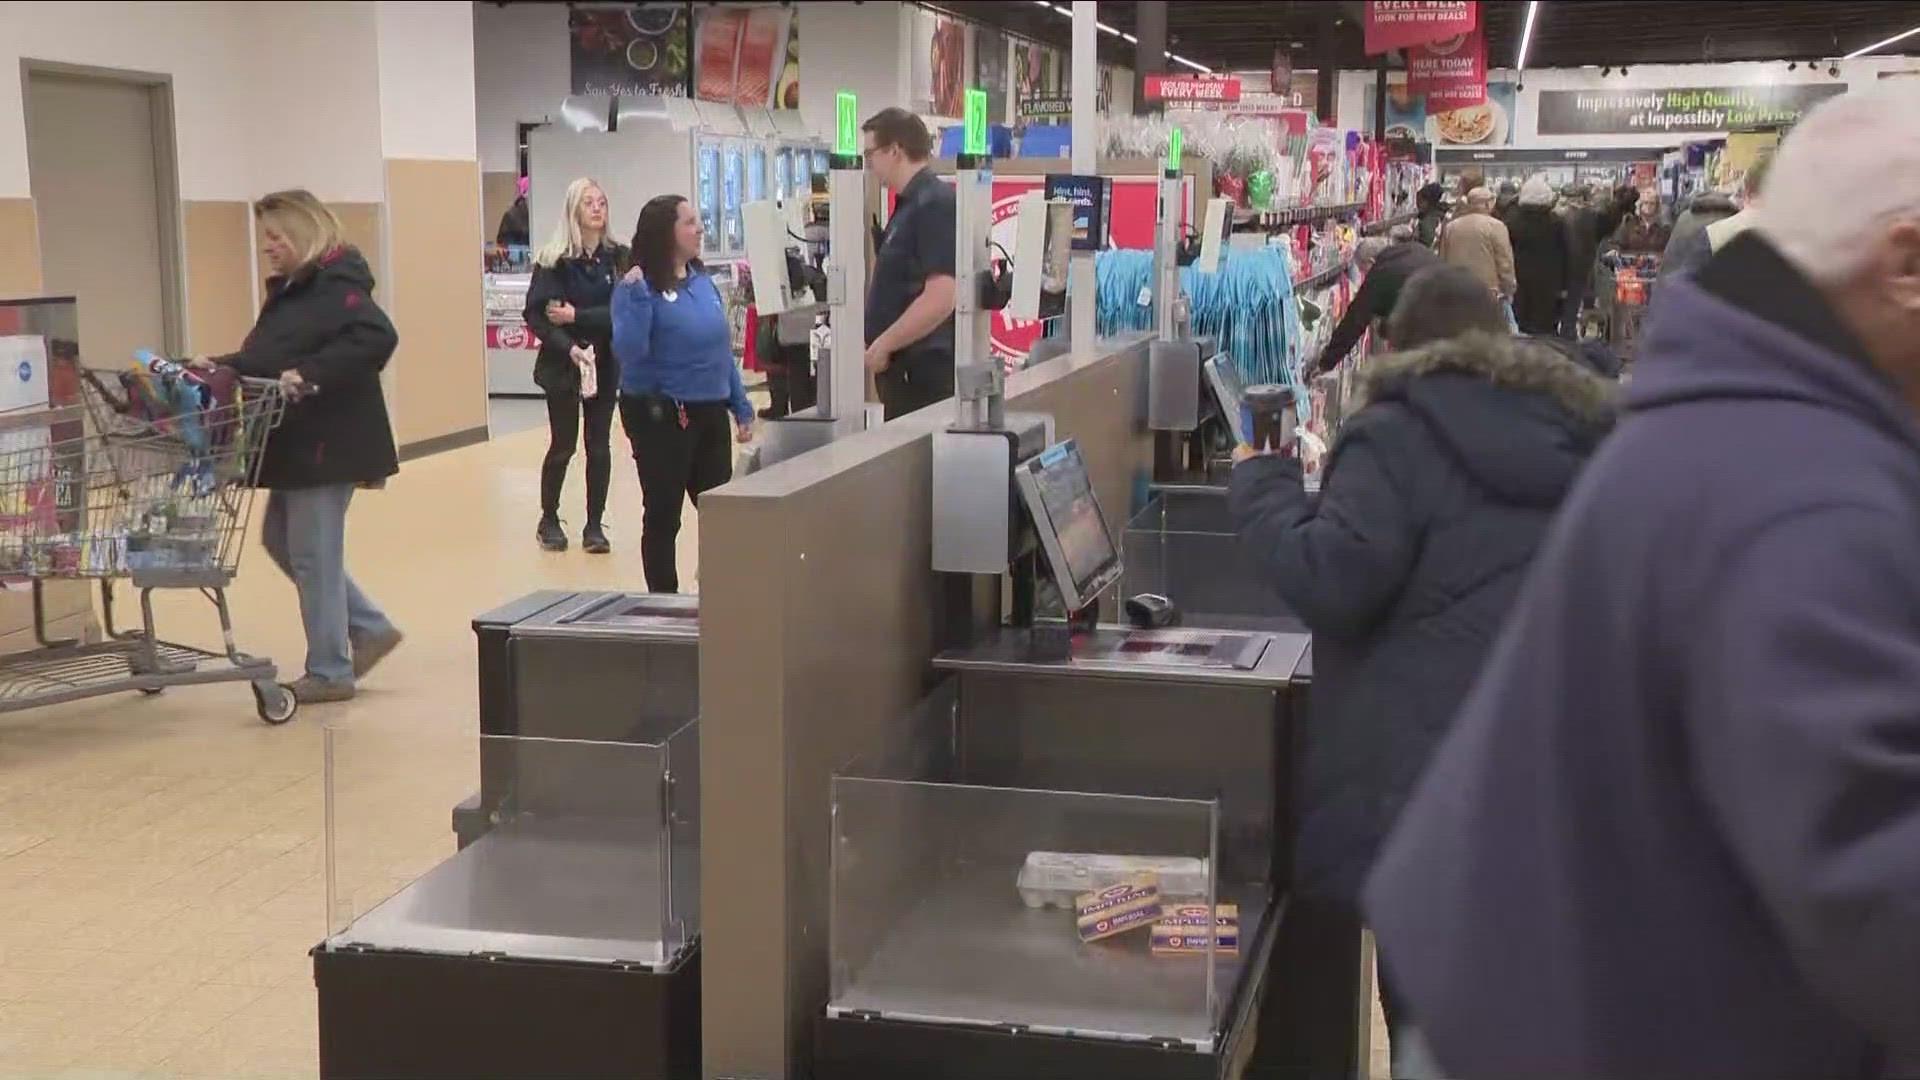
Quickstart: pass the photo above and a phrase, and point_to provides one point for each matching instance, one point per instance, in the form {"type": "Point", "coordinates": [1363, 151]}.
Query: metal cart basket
{"type": "Point", "coordinates": [114, 488]}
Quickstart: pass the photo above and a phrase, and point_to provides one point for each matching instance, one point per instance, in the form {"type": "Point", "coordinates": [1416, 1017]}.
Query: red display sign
{"type": "Point", "coordinates": [1451, 73]}
{"type": "Point", "coordinates": [1402, 24]}
{"type": "Point", "coordinates": [1192, 88]}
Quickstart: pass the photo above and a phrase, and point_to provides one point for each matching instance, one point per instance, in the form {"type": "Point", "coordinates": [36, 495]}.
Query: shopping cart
{"type": "Point", "coordinates": [1624, 287]}
{"type": "Point", "coordinates": [114, 488]}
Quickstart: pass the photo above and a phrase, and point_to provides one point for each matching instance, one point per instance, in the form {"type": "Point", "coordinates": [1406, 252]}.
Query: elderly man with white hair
{"type": "Point", "coordinates": [1675, 829]}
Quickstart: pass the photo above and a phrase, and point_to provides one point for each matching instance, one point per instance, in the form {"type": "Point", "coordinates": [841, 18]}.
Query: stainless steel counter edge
{"type": "Point", "coordinates": [1277, 667]}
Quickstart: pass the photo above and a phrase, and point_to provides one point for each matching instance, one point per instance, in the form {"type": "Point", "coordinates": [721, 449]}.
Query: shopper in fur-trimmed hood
{"type": "Point", "coordinates": [1432, 504]}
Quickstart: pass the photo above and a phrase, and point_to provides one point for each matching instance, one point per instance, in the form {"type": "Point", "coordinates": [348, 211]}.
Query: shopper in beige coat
{"type": "Point", "coordinates": [1477, 241]}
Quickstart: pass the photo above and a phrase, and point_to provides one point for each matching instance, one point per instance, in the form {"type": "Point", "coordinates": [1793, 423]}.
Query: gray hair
{"type": "Point", "coordinates": [1369, 249]}
{"type": "Point", "coordinates": [1841, 177]}
{"type": "Point", "coordinates": [1480, 198]}
{"type": "Point", "coordinates": [1402, 233]}
{"type": "Point", "coordinates": [1537, 192]}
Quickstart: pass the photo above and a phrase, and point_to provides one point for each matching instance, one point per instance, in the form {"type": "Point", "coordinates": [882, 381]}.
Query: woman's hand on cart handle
{"type": "Point", "coordinates": [295, 386]}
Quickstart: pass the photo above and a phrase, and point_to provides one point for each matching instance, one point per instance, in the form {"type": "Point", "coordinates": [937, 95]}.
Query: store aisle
{"type": "Point", "coordinates": [160, 859]}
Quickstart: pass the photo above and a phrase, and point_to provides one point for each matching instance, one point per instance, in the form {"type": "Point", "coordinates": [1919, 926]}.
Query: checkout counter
{"type": "Point", "coordinates": [560, 934]}
{"type": "Point", "coordinates": [1062, 758]}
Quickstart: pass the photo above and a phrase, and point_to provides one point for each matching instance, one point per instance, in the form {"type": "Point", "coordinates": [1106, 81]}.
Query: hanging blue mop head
{"type": "Point", "coordinates": [1247, 306]}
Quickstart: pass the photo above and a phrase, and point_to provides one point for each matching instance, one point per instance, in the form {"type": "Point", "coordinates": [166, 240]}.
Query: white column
{"type": "Point", "coordinates": [1086, 159]}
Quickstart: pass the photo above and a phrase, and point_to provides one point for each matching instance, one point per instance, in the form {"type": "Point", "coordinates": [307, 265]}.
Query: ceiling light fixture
{"type": "Point", "coordinates": [1878, 45]}
{"type": "Point", "coordinates": [1623, 71]}
{"type": "Point", "coordinates": [1791, 65]}
{"type": "Point", "coordinates": [1124, 36]}
{"type": "Point", "coordinates": [1606, 71]}
{"type": "Point", "coordinates": [1526, 34]}
{"type": "Point", "coordinates": [1833, 70]}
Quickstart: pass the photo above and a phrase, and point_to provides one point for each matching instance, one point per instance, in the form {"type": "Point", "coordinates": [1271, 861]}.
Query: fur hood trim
{"type": "Point", "coordinates": [1505, 360]}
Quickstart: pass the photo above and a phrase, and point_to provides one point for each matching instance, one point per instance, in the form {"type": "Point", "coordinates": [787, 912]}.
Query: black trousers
{"type": "Point", "coordinates": [914, 381]}
{"type": "Point", "coordinates": [790, 382]}
{"type": "Point", "coordinates": [682, 450]}
{"type": "Point", "coordinates": [564, 411]}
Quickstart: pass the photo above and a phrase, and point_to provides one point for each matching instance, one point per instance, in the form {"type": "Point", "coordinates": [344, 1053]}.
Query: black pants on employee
{"type": "Point", "coordinates": [564, 411]}
{"type": "Point", "coordinates": [682, 450]}
{"type": "Point", "coordinates": [914, 381]}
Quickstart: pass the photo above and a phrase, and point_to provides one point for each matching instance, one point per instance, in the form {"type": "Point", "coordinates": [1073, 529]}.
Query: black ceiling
{"type": "Point", "coordinates": [1568, 33]}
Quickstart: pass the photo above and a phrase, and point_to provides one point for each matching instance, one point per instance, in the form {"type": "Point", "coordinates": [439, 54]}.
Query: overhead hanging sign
{"type": "Point", "coordinates": [1047, 105]}
{"type": "Point", "coordinates": [1192, 88]}
{"type": "Point", "coordinates": [1451, 73]}
{"type": "Point", "coordinates": [1677, 109]}
{"type": "Point", "coordinates": [1402, 24]}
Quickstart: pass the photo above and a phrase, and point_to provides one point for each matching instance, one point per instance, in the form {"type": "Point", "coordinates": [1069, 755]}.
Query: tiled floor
{"type": "Point", "coordinates": [161, 869]}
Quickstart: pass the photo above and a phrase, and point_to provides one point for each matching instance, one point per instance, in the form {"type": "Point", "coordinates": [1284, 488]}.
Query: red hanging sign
{"type": "Point", "coordinates": [1451, 73]}
{"type": "Point", "coordinates": [1401, 24]}
{"type": "Point", "coordinates": [1192, 88]}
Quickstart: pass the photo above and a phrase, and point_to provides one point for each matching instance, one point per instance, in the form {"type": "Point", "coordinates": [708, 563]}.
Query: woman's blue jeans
{"type": "Point", "coordinates": [305, 532]}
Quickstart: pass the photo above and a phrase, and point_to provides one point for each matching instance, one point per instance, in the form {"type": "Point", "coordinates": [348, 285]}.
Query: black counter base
{"type": "Point", "coordinates": [849, 1048]}
{"type": "Point", "coordinates": [415, 1016]}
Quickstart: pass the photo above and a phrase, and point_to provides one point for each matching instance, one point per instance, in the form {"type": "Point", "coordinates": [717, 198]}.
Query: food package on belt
{"type": "Point", "coordinates": [1130, 905]}
{"type": "Point", "coordinates": [1183, 929]}
{"type": "Point", "coordinates": [1055, 878]}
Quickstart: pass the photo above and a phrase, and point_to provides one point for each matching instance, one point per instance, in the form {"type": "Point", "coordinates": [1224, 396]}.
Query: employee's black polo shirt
{"type": "Point", "coordinates": [918, 242]}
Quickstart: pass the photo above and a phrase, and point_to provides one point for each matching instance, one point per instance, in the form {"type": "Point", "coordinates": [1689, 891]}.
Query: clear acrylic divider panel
{"type": "Point", "coordinates": [459, 844]}
{"type": "Point", "coordinates": [1183, 546]}
{"type": "Point", "coordinates": [942, 914]}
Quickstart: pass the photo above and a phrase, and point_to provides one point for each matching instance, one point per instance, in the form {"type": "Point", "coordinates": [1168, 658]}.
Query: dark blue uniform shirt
{"type": "Point", "coordinates": [918, 242]}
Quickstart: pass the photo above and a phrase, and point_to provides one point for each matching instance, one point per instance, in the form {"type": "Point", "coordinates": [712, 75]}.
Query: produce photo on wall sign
{"type": "Point", "coordinates": [948, 60]}
{"type": "Point", "coordinates": [629, 49]}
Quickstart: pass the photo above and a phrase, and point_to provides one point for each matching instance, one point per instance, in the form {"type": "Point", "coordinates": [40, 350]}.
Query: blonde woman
{"type": "Point", "coordinates": [567, 309]}
{"type": "Point", "coordinates": [323, 337]}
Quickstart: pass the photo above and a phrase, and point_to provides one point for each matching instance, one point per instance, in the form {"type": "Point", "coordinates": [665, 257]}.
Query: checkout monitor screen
{"type": "Point", "coordinates": [1067, 515]}
{"type": "Point", "coordinates": [1224, 380]}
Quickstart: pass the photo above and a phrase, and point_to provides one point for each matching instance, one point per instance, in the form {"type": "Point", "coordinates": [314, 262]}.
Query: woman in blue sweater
{"type": "Point", "coordinates": [678, 378]}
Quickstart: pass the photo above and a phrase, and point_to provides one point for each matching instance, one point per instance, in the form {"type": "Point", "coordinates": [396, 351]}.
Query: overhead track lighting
{"type": "Point", "coordinates": [1878, 45]}
{"type": "Point", "coordinates": [1123, 35]}
{"type": "Point", "coordinates": [1526, 34]}
{"type": "Point", "coordinates": [1606, 71]}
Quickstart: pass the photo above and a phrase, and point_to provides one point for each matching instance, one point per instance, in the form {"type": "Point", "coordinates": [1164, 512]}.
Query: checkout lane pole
{"type": "Point", "coordinates": [845, 392]}
{"type": "Point", "coordinates": [1081, 300]}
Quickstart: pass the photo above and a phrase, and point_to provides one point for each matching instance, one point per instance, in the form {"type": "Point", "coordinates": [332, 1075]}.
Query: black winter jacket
{"type": "Point", "coordinates": [321, 320]}
{"type": "Point", "coordinates": [587, 284]}
{"type": "Point", "coordinates": [1431, 507]}
{"type": "Point", "coordinates": [1379, 291]}
{"type": "Point", "coordinates": [1539, 266]}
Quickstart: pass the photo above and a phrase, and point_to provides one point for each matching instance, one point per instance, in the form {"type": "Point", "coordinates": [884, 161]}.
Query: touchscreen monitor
{"type": "Point", "coordinates": [1223, 379]}
{"type": "Point", "coordinates": [1072, 530]}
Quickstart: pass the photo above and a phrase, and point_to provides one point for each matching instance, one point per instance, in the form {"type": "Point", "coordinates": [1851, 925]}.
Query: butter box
{"type": "Point", "coordinates": [1116, 909]}
{"type": "Point", "coordinates": [1183, 930]}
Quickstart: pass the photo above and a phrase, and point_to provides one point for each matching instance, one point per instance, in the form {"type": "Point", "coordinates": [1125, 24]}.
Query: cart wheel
{"type": "Point", "coordinates": [152, 691]}
{"type": "Point", "coordinates": [275, 702]}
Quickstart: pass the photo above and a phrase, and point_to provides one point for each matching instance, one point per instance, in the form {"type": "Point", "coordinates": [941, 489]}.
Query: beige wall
{"type": "Point", "coordinates": [69, 603]}
{"type": "Point", "coordinates": [220, 289]}
{"type": "Point", "coordinates": [433, 271]}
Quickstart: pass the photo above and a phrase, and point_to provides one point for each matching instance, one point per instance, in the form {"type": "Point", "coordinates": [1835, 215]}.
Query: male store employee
{"type": "Point", "coordinates": [910, 303]}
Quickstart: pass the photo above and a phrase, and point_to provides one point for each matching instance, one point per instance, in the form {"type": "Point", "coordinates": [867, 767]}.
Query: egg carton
{"type": "Point", "coordinates": [1055, 878]}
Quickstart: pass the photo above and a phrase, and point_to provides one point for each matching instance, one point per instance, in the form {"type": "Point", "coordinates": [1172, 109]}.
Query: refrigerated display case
{"type": "Point", "coordinates": [733, 229]}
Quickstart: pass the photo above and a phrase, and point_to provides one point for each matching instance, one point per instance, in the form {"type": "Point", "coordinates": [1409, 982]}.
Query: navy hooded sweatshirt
{"type": "Point", "coordinates": [1675, 829]}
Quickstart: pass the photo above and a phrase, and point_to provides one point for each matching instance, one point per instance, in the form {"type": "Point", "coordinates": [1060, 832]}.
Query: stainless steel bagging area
{"type": "Point", "coordinates": [896, 821]}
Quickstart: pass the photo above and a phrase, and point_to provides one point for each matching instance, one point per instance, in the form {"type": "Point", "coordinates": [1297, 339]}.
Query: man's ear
{"type": "Point", "coordinates": [1899, 268]}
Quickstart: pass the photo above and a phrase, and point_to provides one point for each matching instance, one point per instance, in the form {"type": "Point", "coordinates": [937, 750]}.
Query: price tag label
{"type": "Point", "coordinates": [1145, 299]}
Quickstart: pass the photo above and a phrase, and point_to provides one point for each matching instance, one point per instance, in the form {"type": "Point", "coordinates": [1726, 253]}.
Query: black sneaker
{"type": "Point", "coordinates": [551, 536]}
{"type": "Point", "coordinates": [593, 540]}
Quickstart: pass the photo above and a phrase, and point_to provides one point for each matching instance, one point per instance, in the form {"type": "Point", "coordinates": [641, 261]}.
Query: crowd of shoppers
{"type": "Point", "coordinates": [1620, 732]}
